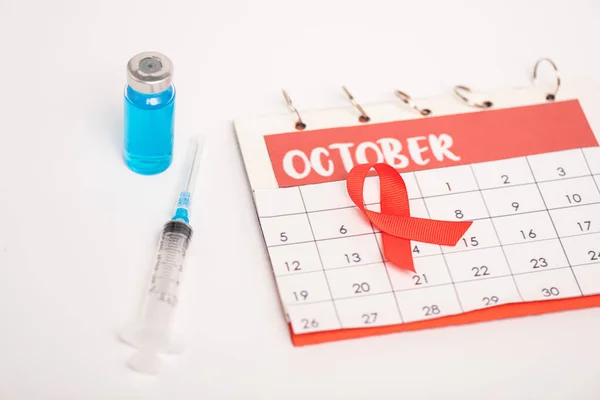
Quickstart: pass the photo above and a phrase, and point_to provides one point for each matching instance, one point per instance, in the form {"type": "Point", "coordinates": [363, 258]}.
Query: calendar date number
{"type": "Point", "coordinates": [584, 226]}
{"type": "Point", "coordinates": [480, 271]}
{"type": "Point", "coordinates": [431, 310]}
{"type": "Point", "coordinates": [362, 287]}
{"type": "Point", "coordinates": [293, 266]}
{"type": "Point", "coordinates": [352, 258]}
{"type": "Point", "coordinates": [573, 198]}
{"type": "Point", "coordinates": [420, 279]}
{"type": "Point", "coordinates": [369, 318]}
{"type": "Point", "coordinates": [309, 323]}
{"type": "Point", "coordinates": [490, 301]}
{"type": "Point", "coordinates": [471, 242]}
{"type": "Point", "coordinates": [528, 235]}
{"type": "Point", "coordinates": [301, 295]}
{"type": "Point", "coordinates": [538, 263]}
{"type": "Point", "coordinates": [550, 292]}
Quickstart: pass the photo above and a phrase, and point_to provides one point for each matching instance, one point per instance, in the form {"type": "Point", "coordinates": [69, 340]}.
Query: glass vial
{"type": "Point", "coordinates": [149, 112]}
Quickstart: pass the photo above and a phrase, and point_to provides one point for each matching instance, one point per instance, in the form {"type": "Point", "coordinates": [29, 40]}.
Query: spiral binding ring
{"type": "Point", "coordinates": [549, 96]}
{"type": "Point", "coordinates": [299, 125]}
{"type": "Point", "coordinates": [465, 99]}
{"type": "Point", "coordinates": [459, 91]}
{"type": "Point", "coordinates": [363, 115]}
{"type": "Point", "coordinates": [408, 100]}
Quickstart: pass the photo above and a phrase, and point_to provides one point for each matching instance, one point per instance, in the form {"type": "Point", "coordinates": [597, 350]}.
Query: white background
{"type": "Point", "coordinates": [78, 230]}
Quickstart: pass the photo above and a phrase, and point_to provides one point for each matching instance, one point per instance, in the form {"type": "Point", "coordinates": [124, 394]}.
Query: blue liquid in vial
{"type": "Point", "coordinates": [149, 127]}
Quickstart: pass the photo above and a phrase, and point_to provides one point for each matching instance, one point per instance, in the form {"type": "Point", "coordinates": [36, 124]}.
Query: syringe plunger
{"type": "Point", "coordinates": [152, 334]}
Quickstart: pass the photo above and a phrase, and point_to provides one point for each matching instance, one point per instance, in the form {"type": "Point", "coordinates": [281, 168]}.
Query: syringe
{"type": "Point", "coordinates": [151, 334]}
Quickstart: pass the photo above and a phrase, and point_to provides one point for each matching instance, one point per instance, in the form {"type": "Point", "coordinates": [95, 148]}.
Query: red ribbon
{"type": "Point", "coordinates": [397, 227]}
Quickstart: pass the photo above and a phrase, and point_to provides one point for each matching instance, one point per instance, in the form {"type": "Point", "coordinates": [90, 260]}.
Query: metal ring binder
{"type": "Point", "coordinates": [299, 125]}
{"type": "Point", "coordinates": [549, 96]}
{"type": "Point", "coordinates": [461, 91]}
{"type": "Point", "coordinates": [408, 100]}
{"type": "Point", "coordinates": [465, 99]}
{"type": "Point", "coordinates": [363, 115]}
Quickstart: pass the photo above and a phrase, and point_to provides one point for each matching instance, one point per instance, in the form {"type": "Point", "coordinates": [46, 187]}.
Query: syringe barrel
{"type": "Point", "coordinates": [166, 274]}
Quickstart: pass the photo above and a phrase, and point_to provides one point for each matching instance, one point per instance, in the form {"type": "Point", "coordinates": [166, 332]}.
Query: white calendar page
{"type": "Point", "coordinates": [527, 173]}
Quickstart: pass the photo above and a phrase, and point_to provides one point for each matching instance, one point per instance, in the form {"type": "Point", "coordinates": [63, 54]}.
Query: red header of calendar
{"type": "Point", "coordinates": [301, 158]}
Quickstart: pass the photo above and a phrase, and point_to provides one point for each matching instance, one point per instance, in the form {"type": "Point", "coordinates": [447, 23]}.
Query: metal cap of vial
{"type": "Point", "coordinates": [149, 72]}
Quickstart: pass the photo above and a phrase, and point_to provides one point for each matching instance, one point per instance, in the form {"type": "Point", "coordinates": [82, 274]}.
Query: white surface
{"type": "Point", "coordinates": [78, 230]}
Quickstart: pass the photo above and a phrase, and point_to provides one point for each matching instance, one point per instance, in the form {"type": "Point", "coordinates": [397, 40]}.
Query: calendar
{"type": "Point", "coordinates": [525, 173]}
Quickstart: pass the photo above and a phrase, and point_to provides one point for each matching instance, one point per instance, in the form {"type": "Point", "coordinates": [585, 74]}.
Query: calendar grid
{"type": "Point", "coordinates": [320, 258]}
{"type": "Point", "coordinates": [496, 232]}
{"type": "Point", "coordinates": [328, 272]}
{"type": "Point", "coordinates": [430, 286]}
{"type": "Point", "coordinates": [444, 195]}
{"type": "Point", "coordinates": [443, 254]}
{"type": "Point", "coordinates": [455, 251]}
{"type": "Point", "coordinates": [554, 226]}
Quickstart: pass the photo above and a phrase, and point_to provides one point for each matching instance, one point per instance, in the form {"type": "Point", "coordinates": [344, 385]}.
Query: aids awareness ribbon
{"type": "Point", "coordinates": [397, 227]}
